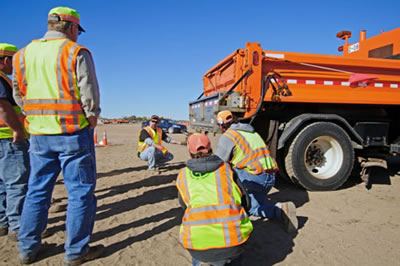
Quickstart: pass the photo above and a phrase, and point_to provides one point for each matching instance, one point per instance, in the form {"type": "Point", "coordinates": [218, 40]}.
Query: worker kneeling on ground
{"type": "Point", "coordinates": [150, 147]}
{"type": "Point", "coordinates": [215, 225]}
{"type": "Point", "coordinates": [250, 158]}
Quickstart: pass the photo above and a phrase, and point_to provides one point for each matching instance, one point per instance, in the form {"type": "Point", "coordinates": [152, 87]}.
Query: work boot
{"type": "Point", "coordinates": [93, 253]}
{"type": "Point", "coordinates": [3, 231]}
{"type": "Point", "coordinates": [289, 217]}
{"type": "Point", "coordinates": [13, 236]}
{"type": "Point", "coordinates": [28, 259]}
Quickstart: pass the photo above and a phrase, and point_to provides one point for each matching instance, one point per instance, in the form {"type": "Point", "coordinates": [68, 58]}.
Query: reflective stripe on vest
{"type": "Point", "coordinates": [46, 74]}
{"type": "Point", "coordinates": [5, 131]}
{"type": "Point", "coordinates": [155, 135]}
{"type": "Point", "coordinates": [251, 154]}
{"type": "Point", "coordinates": [214, 217]}
{"type": "Point", "coordinates": [19, 70]}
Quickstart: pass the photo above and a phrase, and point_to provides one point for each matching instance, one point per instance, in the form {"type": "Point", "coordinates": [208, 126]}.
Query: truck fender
{"type": "Point", "coordinates": [296, 123]}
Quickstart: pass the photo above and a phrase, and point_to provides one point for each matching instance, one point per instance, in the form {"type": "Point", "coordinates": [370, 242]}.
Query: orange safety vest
{"type": "Point", "coordinates": [155, 135]}
{"type": "Point", "coordinates": [214, 217]}
{"type": "Point", "coordinates": [251, 153]}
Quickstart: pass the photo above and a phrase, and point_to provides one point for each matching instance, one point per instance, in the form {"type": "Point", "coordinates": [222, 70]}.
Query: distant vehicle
{"type": "Point", "coordinates": [168, 125]}
{"type": "Point", "coordinates": [115, 121]}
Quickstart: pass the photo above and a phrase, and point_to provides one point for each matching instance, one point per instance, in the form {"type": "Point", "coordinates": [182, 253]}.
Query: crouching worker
{"type": "Point", "coordinates": [150, 147]}
{"type": "Point", "coordinates": [215, 225]}
{"type": "Point", "coordinates": [246, 151]}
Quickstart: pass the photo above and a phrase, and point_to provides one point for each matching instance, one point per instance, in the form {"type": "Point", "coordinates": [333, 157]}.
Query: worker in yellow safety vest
{"type": "Point", "coordinates": [215, 225]}
{"type": "Point", "coordinates": [14, 156]}
{"type": "Point", "coordinates": [250, 158]}
{"type": "Point", "coordinates": [150, 146]}
{"type": "Point", "coordinates": [56, 85]}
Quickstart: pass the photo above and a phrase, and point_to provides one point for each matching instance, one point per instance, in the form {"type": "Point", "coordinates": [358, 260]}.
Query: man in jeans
{"type": "Point", "coordinates": [150, 146]}
{"type": "Point", "coordinates": [55, 82]}
{"type": "Point", "coordinates": [250, 159]}
{"type": "Point", "coordinates": [14, 157]}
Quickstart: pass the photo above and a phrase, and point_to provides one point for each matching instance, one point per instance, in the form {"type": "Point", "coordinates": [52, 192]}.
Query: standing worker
{"type": "Point", "coordinates": [14, 157]}
{"type": "Point", "coordinates": [55, 83]}
{"type": "Point", "coordinates": [150, 147]}
{"type": "Point", "coordinates": [250, 158]}
{"type": "Point", "coordinates": [215, 226]}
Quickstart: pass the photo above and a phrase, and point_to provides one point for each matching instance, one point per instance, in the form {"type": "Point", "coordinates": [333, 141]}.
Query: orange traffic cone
{"type": "Point", "coordinates": [105, 143]}
{"type": "Point", "coordinates": [95, 137]}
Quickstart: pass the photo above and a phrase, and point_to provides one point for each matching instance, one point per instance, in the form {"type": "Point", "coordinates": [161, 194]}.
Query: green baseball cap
{"type": "Point", "coordinates": [7, 49]}
{"type": "Point", "coordinates": [66, 14]}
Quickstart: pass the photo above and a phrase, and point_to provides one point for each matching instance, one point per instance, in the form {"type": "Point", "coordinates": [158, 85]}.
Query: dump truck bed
{"type": "Point", "coordinates": [310, 77]}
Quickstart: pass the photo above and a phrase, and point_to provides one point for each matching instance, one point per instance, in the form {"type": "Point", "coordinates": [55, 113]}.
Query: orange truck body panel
{"type": "Point", "coordinates": [312, 78]}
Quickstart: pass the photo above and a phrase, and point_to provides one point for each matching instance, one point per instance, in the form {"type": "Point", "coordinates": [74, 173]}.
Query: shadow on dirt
{"type": "Point", "coordinates": [160, 193]}
{"type": "Point", "coordinates": [270, 243]}
{"type": "Point", "coordinates": [121, 171]}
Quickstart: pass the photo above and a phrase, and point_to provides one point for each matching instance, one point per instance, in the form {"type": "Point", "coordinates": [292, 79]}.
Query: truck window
{"type": "Point", "coordinates": [381, 52]}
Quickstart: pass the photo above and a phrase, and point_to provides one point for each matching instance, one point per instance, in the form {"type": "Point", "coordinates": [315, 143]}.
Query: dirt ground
{"type": "Point", "coordinates": [138, 216]}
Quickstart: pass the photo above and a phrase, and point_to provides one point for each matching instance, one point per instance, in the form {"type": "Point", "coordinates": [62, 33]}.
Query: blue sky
{"type": "Point", "coordinates": [150, 55]}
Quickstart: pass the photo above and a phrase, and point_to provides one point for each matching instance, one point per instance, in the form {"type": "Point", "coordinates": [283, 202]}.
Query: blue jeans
{"type": "Point", "coordinates": [74, 155]}
{"type": "Point", "coordinates": [14, 174]}
{"type": "Point", "coordinates": [258, 187]}
{"type": "Point", "coordinates": [155, 157]}
{"type": "Point", "coordinates": [227, 262]}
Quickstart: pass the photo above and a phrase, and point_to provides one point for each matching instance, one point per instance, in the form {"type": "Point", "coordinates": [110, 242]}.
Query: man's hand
{"type": "Point", "coordinates": [92, 121]}
{"type": "Point", "coordinates": [158, 147]}
{"type": "Point", "coordinates": [18, 136]}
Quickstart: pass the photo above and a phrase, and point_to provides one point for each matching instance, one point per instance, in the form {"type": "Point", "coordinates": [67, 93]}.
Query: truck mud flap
{"type": "Point", "coordinates": [366, 164]}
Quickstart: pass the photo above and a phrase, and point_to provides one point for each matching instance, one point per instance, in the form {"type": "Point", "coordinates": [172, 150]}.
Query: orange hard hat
{"type": "Point", "coordinates": [198, 143]}
{"type": "Point", "coordinates": [224, 117]}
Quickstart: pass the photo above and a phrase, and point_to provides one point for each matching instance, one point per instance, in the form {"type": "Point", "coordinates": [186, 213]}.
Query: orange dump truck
{"type": "Point", "coordinates": [317, 113]}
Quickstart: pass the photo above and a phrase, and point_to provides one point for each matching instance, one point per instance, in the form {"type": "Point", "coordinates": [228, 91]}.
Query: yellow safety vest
{"type": "Point", "coordinates": [46, 75]}
{"type": "Point", "coordinates": [155, 135]}
{"type": "Point", "coordinates": [214, 217]}
{"type": "Point", "coordinates": [251, 153]}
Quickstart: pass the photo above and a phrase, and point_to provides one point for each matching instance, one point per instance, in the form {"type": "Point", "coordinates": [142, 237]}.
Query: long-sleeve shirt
{"type": "Point", "coordinates": [86, 80]}
{"type": "Point", "coordinates": [226, 147]}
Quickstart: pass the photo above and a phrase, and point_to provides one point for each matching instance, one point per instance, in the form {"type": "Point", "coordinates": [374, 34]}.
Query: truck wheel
{"type": "Point", "coordinates": [170, 130]}
{"type": "Point", "coordinates": [320, 157]}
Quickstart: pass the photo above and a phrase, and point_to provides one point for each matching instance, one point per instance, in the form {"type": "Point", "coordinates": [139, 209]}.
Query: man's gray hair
{"type": "Point", "coordinates": [61, 26]}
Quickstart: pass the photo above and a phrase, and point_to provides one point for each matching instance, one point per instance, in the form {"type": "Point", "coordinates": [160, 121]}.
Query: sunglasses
{"type": "Point", "coordinates": [155, 122]}
{"type": "Point", "coordinates": [79, 31]}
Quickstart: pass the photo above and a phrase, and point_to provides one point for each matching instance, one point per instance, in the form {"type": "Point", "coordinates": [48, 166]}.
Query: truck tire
{"type": "Point", "coordinates": [320, 157]}
{"type": "Point", "coordinates": [170, 130]}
